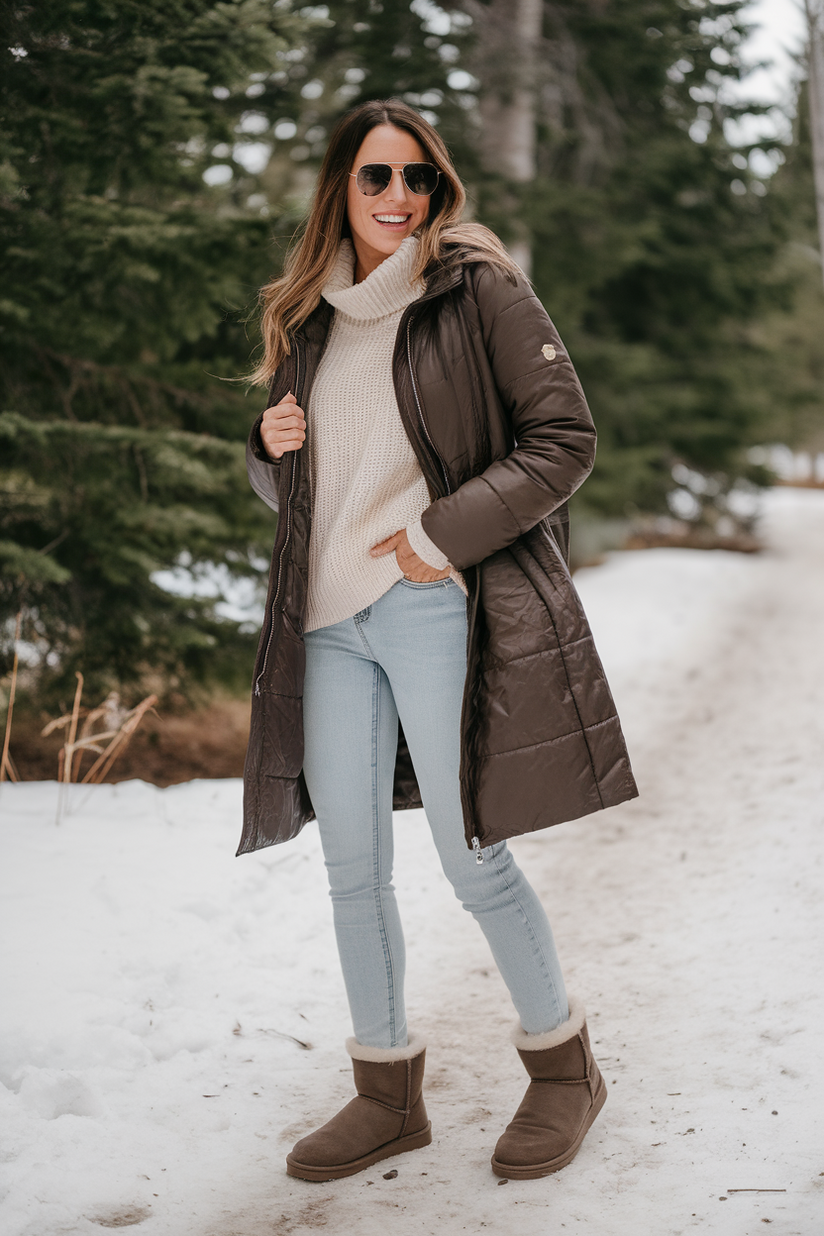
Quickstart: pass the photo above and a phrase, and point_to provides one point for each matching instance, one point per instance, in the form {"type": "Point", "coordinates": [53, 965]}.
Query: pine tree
{"type": "Point", "coordinates": [786, 382]}
{"type": "Point", "coordinates": [121, 448]}
{"type": "Point", "coordinates": [654, 243]}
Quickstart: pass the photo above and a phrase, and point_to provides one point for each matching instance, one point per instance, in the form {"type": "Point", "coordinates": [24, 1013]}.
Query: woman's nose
{"type": "Point", "coordinates": [396, 190]}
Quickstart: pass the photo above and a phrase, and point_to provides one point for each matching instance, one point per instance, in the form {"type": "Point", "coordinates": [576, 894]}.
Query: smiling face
{"type": "Point", "coordinates": [379, 224]}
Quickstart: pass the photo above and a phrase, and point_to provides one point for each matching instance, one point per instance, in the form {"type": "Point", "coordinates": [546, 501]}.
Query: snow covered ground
{"type": "Point", "coordinates": [173, 1017]}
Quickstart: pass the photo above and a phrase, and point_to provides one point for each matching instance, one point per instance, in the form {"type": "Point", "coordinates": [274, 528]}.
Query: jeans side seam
{"type": "Point", "coordinates": [376, 853]}
{"type": "Point", "coordinates": [536, 943]}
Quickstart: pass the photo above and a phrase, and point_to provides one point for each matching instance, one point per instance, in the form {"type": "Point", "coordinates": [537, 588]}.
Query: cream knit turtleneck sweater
{"type": "Point", "coordinates": [366, 482]}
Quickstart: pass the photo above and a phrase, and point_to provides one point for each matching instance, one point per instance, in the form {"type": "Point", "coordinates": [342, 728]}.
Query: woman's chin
{"type": "Point", "coordinates": [388, 242]}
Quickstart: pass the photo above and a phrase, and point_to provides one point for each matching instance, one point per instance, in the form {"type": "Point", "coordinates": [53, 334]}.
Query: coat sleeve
{"type": "Point", "coordinates": [552, 427]}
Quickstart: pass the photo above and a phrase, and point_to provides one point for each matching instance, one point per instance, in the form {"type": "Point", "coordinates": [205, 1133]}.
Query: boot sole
{"type": "Point", "coordinates": [412, 1141]}
{"type": "Point", "coordinates": [534, 1170]}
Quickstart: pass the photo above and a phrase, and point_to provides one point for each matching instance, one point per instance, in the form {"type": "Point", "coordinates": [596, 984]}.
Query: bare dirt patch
{"type": "Point", "coordinates": [123, 1218]}
{"type": "Point", "coordinates": [167, 749]}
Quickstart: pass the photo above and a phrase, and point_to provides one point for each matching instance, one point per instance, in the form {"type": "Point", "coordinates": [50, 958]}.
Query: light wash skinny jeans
{"type": "Point", "coordinates": [405, 656]}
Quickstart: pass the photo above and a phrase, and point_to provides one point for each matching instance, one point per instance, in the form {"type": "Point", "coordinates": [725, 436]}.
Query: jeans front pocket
{"type": "Point", "coordinates": [433, 583]}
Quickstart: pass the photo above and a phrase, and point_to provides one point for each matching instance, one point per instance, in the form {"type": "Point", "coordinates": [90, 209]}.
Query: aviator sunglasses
{"type": "Point", "coordinates": [419, 178]}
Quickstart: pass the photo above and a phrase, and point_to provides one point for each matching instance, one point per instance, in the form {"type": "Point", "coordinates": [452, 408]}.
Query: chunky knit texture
{"type": "Point", "coordinates": [366, 482]}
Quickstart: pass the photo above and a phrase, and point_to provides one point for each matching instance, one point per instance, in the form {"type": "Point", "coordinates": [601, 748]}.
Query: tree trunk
{"type": "Point", "coordinates": [815, 24]}
{"type": "Point", "coordinates": [506, 63]}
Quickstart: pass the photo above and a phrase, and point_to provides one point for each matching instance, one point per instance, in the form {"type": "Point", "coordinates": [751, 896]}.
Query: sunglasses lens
{"type": "Point", "coordinates": [421, 178]}
{"type": "Point", "coordinates": [373, 178]}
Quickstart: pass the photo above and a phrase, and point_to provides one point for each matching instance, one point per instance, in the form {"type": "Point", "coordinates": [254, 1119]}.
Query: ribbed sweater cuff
{"type": "Point", "coordinates": [256, 442]}
{"type": "Point", "coordinates": [424, 548]}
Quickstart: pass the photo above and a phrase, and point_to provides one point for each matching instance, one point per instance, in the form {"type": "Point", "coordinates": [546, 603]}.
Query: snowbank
{"type": "Point", "coordinates": [173, 1017]}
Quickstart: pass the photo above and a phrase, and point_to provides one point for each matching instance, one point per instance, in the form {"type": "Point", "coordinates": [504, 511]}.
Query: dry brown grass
{"type": "Point", "coordinates": [169, 747]}
{"type": "Point", "coordinates": [692, 538]}
{"type": "Point", "coordinates": [106, 732]}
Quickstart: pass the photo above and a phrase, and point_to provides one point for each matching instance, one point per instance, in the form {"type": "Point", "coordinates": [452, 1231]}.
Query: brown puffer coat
{"type": "Point", "coordinates": [502, 432]}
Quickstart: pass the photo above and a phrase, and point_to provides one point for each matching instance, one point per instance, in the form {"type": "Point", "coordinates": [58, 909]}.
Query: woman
{"type": "Point", "coordinates": [424, 644]}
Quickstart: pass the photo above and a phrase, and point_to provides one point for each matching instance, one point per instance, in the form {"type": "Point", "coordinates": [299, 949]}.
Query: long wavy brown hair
{"type": "Point", "coordinates": [287, 300]}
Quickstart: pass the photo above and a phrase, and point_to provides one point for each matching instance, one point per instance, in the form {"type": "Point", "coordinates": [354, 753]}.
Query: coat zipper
{"type": "Point", "coordinates": [476, 845]}
{"type": "Point", "coordinates": [285, 539]}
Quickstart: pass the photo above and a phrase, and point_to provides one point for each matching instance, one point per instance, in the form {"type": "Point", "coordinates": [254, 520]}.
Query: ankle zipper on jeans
{"type": "Point", "coordinates": [478, 852]}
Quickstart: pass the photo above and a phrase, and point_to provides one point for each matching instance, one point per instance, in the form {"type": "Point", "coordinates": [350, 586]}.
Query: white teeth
{"type": "Point", "coordinates": [391, 218]}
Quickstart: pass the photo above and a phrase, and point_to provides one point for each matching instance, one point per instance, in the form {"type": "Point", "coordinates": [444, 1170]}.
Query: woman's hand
{"type": "Point", "coordinates": [413, 567]}
{"type": "Point", "coordinates": [283, 427]}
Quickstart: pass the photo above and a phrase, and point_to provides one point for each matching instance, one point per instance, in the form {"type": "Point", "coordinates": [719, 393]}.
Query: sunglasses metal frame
{"type": "Point", "coordinates": [402, 170]}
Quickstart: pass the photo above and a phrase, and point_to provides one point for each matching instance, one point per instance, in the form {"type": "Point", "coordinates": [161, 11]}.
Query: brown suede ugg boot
{"type": "Point", "coordinates": [565, 1095]}
{"type": "Point", "coordinates": [387, 1117]}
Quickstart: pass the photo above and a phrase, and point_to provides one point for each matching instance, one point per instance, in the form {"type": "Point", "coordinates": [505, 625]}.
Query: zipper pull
{"type": "Point", "coordinates": [476, 846]}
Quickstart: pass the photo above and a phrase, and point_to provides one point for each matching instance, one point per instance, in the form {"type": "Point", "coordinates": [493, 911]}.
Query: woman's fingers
{"type": "Point", "coordinates": [283, 427]}
{"type": "Point", "coordinates": [385, 547]}
{"type": "Point", "coordinates": [413, 567]}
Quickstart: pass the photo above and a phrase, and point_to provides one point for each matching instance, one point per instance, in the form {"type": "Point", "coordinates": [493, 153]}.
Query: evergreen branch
{"type": "Point", "coordinates": [123, 377]}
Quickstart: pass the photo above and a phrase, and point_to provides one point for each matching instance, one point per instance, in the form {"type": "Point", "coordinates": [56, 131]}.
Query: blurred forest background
{"type": "Point", "coordinates": [156, 156]}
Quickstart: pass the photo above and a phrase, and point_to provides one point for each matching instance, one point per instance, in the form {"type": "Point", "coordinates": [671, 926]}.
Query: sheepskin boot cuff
{"type": "Point", "coordinates": [565, 1094]}
{"type": "Point", "coordinates": [552, 1038]}
{"type": "Point", "coordinates": [386, 1055]}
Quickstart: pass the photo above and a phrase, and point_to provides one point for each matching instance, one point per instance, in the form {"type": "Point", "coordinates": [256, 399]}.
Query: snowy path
{"type": "Point", "coordinates": [149, 981]}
